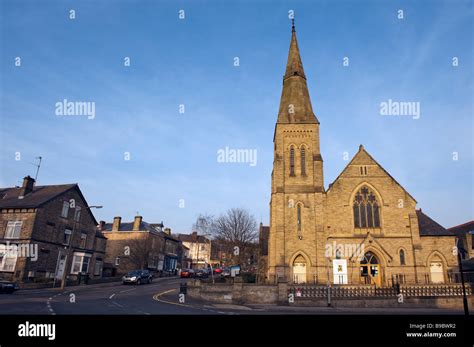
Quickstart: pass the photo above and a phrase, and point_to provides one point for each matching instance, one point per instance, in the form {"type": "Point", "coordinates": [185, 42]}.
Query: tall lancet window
{"type": "Point", "coordinates": [292, 161]}
{"type": "Point", "coordinates": [366, 209]}
{"type": "Point", "coordinates": [298, 216]}
{"type": "Point", "coordinates": [303, 161]}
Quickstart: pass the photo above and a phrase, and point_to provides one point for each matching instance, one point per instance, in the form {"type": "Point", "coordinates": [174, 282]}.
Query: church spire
{"type": "Point", "coordinates": [295, 103]}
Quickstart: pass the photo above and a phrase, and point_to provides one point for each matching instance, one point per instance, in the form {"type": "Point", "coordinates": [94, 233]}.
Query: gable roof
{"type": "Point", "coordinates": [463, 228]}
{"type": "Point", "coordinates": [428, 227]}
{"type": "Point", "coordinates": [360, 153]}
{"type": "Point", "coordinates": [9, 197]}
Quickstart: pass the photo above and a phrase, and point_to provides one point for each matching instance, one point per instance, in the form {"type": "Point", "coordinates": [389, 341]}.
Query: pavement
{"type": "Point", "coordinates": [158, 298]}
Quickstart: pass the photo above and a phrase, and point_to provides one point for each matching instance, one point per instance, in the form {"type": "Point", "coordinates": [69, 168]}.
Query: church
{"type": "Point", "coordinates": [363, 229]}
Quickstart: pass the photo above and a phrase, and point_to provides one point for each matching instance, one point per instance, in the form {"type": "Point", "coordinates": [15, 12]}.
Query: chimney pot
{"type": "Point", "coordinates": [27, 187]}
{"type": "Point", "coordinates": [137, 223]}
{"type": "Point", "coordinates": [116, 225]}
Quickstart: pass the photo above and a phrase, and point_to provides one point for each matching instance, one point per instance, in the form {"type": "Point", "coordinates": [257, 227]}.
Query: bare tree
{"type": "Point", "coordinates": [238, 228]}
{"type": "Point", "coordinates": [203, 224]}
{"type": "Point", "coordinates": [141, 251]}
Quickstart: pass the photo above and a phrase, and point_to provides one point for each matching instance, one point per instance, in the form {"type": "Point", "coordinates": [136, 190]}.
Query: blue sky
{"type": "Point", "coordinates": [190, 61]}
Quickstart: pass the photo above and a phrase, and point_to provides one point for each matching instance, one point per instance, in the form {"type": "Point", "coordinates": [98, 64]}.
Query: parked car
{"type": "Point", "coordinates": [225, 272]}
{"type": "Point", "coordinates": [137, 277]}
{"type": "Point", "coordinates": [218, 270]}
{"type": "Point", "coordinates": [203, 273]}
{"type": "Point", "coordinates": [8, 286]}
{"type": "Point", "coordinates": [187, 273]}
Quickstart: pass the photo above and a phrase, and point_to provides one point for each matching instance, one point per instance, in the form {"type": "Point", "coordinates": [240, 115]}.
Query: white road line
{"type": "Point", "coordinates": [128, 290]}
{"type": "Point", "coordinates": [110, 297]}
{"type": "Point", "coordinates": [117, 304]}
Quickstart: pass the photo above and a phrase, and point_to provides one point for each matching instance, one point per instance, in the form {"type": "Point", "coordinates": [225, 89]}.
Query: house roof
{"type": "Point", "coordinates": [193, 238]}
{"type": "Point", "coordinates": [128, 226]}
{"type": "Point", "coordinates": [144, 227]}
{"type": "Point", "coordinates": [39, 196]}
{"type": "Point", "coordinates": [428, 227]}
{"type": "Point", "coordinates": [9, 197]}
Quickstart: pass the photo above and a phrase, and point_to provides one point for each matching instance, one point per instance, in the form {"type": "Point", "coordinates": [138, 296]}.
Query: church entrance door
{"type": "Point", "coordinates": [299, 270]}
{"type": "Point", "coordinates": [370, 270]}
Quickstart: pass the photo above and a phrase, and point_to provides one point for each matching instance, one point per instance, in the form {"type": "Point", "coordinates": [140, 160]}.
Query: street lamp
{"type": "Point", "coordinates": [464, 298]}
{"type": "Point", "coordinates": [68, 253]}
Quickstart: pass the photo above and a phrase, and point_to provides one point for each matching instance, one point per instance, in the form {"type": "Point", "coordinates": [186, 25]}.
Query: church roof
{"type": "Point", "coordinates": [295, 103]}
{"type": "Point", "coordinates": [428, 227]}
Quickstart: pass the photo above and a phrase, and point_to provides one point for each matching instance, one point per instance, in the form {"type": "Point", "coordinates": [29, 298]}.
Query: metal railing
{"type": "Point", "coordinates": [314, 291]}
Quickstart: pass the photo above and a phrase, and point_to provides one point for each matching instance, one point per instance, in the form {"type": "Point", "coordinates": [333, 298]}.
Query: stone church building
{"type": "Point", "coordinates": [363, 228]}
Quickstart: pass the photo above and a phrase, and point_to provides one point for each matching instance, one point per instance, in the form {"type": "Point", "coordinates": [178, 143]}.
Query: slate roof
{"type": "Point", "coordinates": [39, 196]}
{"type": "Point", "coordinates": [144, 227]}
{"type": "Point", "coordinates": [463, 228]}
{"type": "Point", "coordinates": [428, 227]}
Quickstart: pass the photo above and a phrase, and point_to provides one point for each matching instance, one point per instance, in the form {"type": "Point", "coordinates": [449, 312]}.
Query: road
{"type": "Point", "coordinates": [159, 297]}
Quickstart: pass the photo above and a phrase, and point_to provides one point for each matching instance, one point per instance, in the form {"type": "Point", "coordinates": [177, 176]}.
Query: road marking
{"type": "Point", "coordinates": [157, 298]}
{"type": "Point", "coordinates": [128, 290]}
{"type": "Point", "coordinates": [116, 304]}
{"type": "Point", "coordinates": [110, 297]}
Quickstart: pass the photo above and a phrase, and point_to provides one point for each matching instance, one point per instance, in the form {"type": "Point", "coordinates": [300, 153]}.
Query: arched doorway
{"type": "Point", "coordinates": [436, 270]}
{"type": "Point", "coordinates": [370, 269]}
{"type": "Point", "coordinates": [299, 269]}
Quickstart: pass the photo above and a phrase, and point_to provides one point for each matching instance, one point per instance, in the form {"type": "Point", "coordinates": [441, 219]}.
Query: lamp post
{"type": "Point", "coordinates": [69, 246]}
{"type": "Point", "coordinates": [464, 298]}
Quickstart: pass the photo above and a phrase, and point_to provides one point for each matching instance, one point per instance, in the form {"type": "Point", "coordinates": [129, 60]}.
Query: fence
{"type": "Point", "coordinates": [311, 291]}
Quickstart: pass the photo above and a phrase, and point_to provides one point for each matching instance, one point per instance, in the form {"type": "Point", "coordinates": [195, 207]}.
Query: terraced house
{"type": "Point", "coordinates": [363, 228]}
{"type": "Point", "coordinates": [141, 245]}
{"type": "Point", "coordinates": [54, 227]}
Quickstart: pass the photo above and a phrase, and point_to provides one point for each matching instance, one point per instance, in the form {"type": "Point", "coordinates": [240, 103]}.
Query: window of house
{"type": "Point", "coordinates": [363, 170]}
{"type": "Point", "coordinates": [13, 229]}
{"type": "Point", "coordinates": [65, 211]}
{"type": "Point", "coordinates": [303, 161]}
{"type": "Point", "coordinates": [366, 209]}
{"type": "Point", "coordinates": [98, 267]}
{"type": "Point", "coordinates": [67, 236]}
{"type": "Point", "coordinates": [402, 257]}
{"type": "Point", "coordinates": [80, 263]}
{"type": "Point", "coordinates": [77, 213]}
{"type": "Point", "coordinates": [7, 262]}
{"type": "Point", "coordinates": [292, 161]}
{"type": "Point", "coordinates": [203, 247]}
{"type": "Point", "coordinates": [83, 240]}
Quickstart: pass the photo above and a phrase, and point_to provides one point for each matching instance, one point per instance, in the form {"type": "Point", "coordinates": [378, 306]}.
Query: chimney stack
{"type": "Point", "coordinates": [116, 225]}
{"type": "Point", "coordinates": [137, 223]}
{"type": "Point", "coordinates": [27, 186]}
{"type": "Point", "coordinates": [101, 225]}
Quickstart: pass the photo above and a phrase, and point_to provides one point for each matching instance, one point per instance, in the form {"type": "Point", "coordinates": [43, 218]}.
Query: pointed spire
{"type": "Point", "coordinates": [294, 65]}
{"type": "Point", "coordinates": [295, 103]}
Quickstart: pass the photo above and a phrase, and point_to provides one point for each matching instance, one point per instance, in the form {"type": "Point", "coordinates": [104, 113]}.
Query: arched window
{"type": "Point", "coordinates": [366, 209]}
{"type": "Point", "coordinates": [303, 161]}
{"type": "Point", "coordinates": [402, 257]}
{"type": "Point", "coordinates": [298, 216]}
{"type": "Point", "coordinates": [292, 161]}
